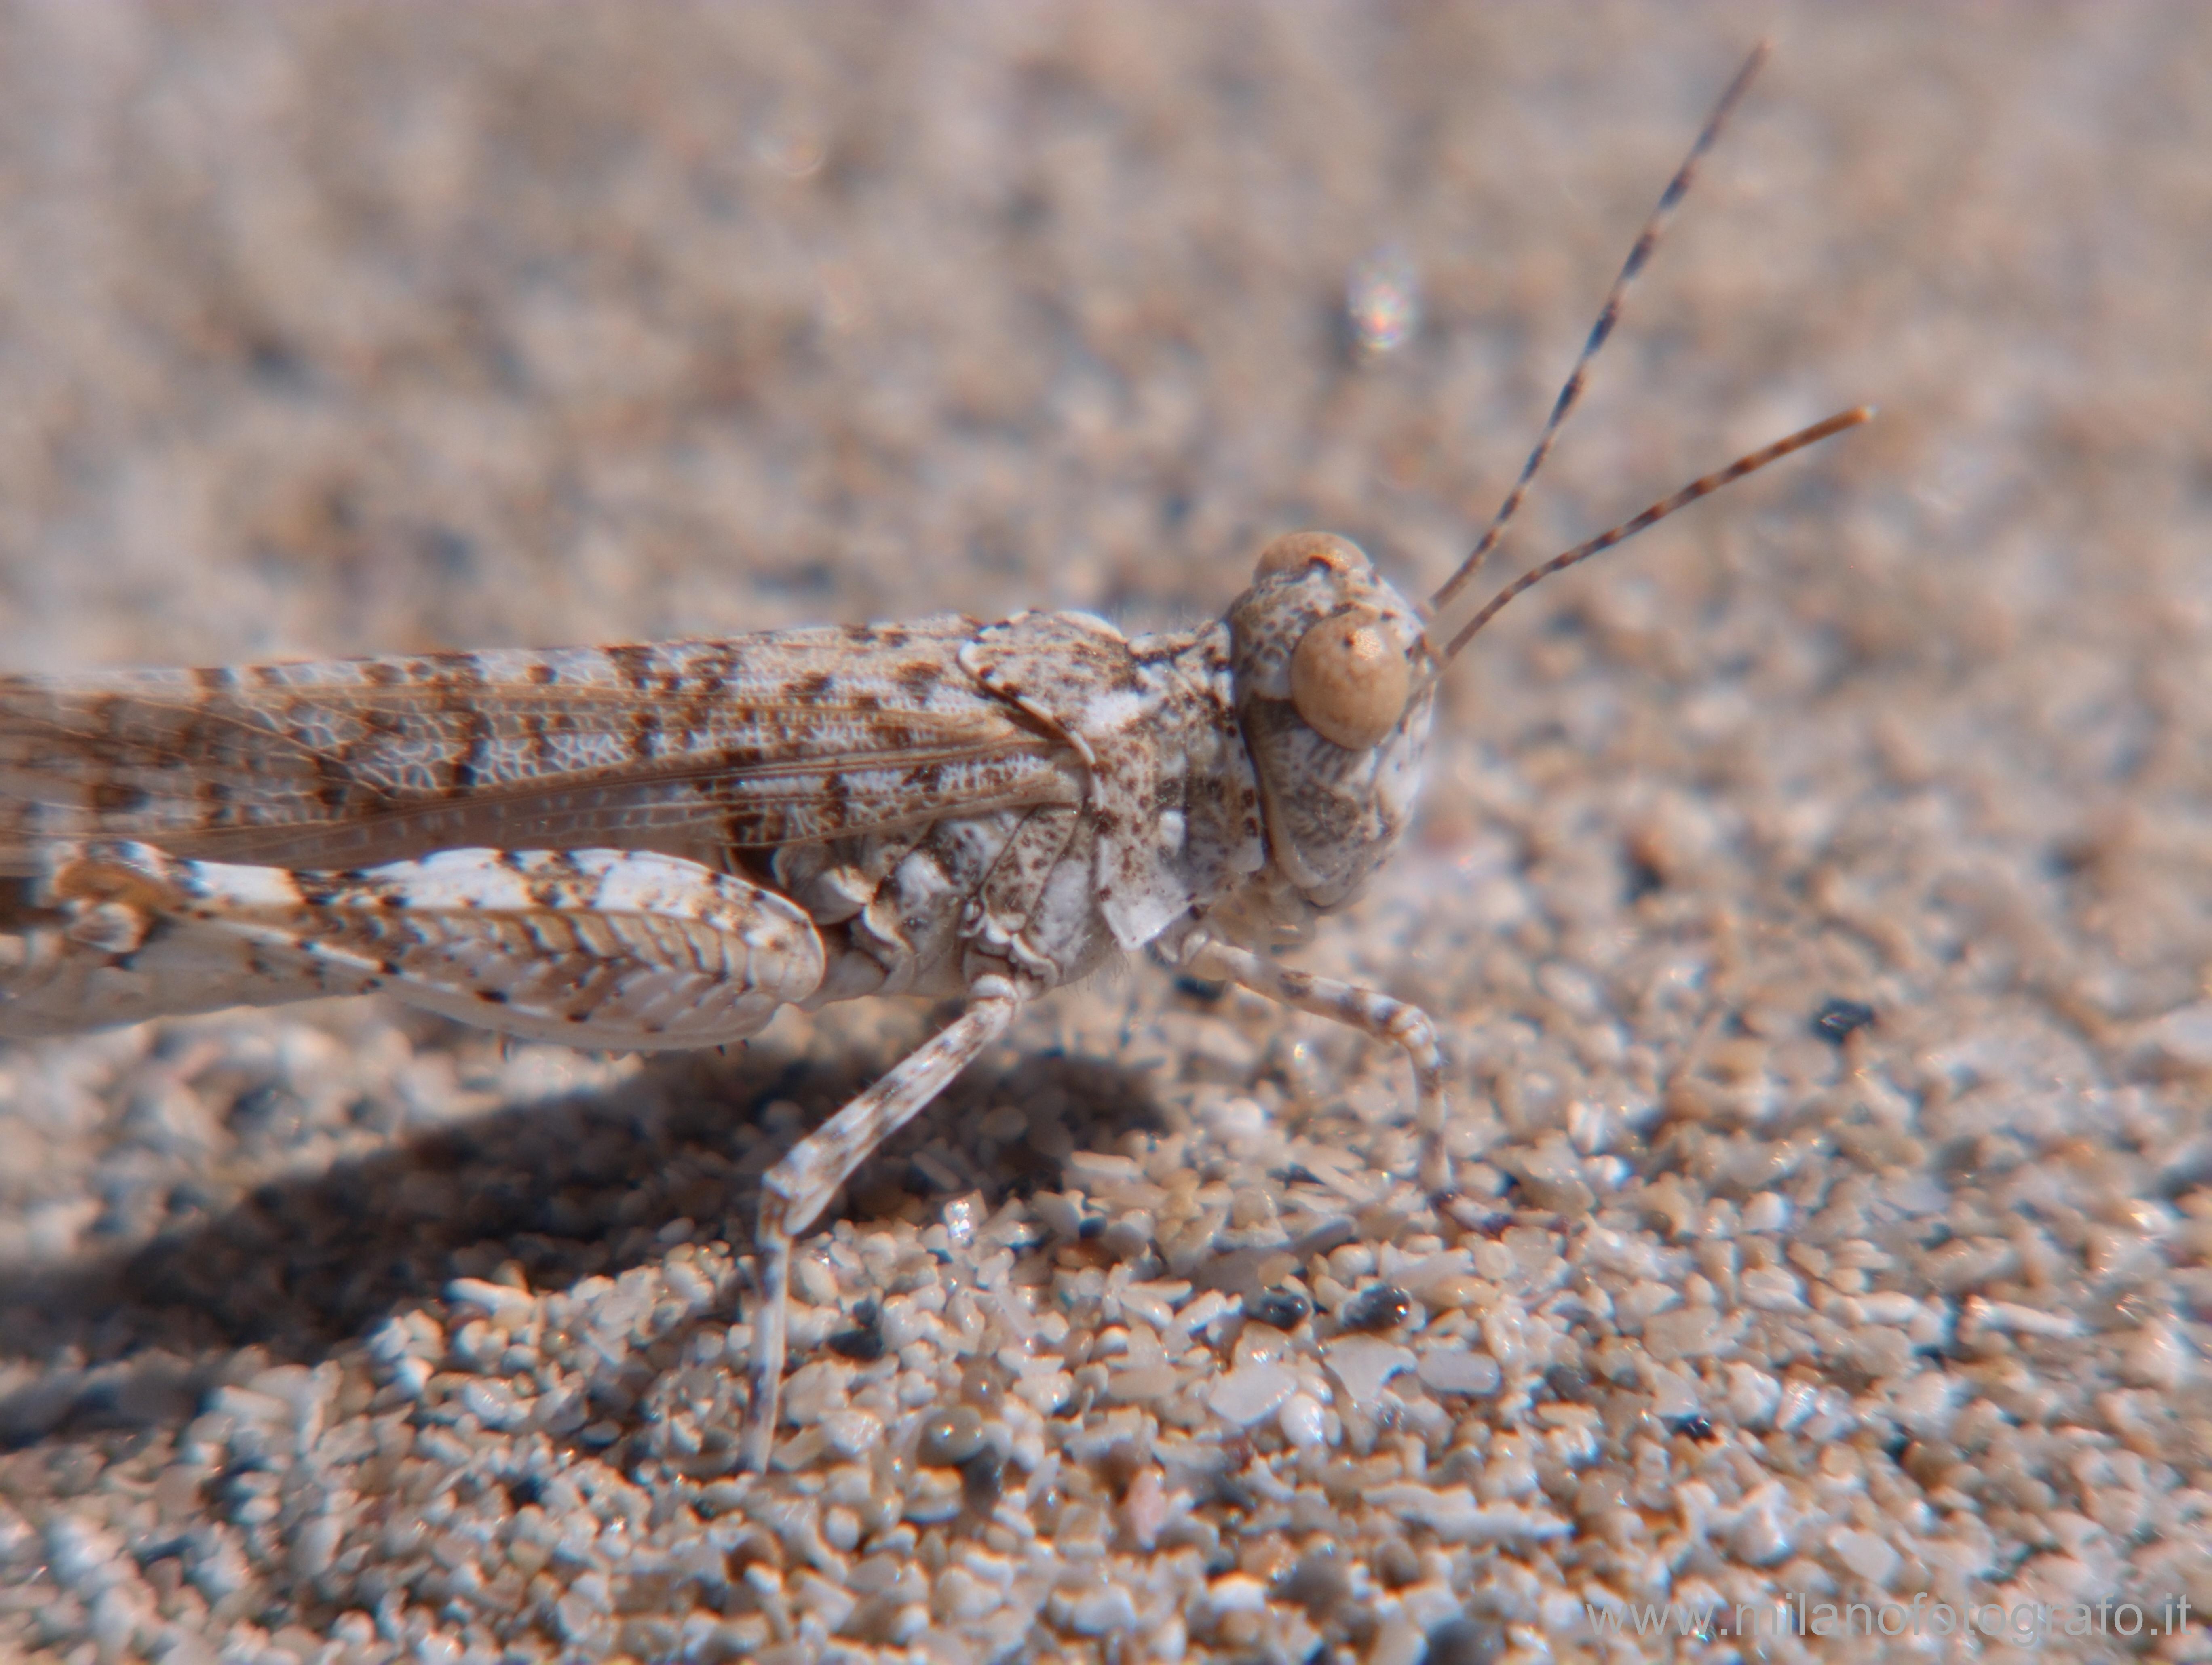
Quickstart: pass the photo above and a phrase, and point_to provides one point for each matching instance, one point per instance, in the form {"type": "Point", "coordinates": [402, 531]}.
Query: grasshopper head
{"type": "Point", "coordinates": [1335, 686]}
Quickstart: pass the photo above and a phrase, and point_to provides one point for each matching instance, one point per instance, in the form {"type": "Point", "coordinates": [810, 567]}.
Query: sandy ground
{"type": "Point", "coordinates": [340, 1333]}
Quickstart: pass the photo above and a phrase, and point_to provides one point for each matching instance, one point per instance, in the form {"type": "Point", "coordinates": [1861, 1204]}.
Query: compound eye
{"type": "Point", "coordinates": [1294, 552]}
{"type": "Point", "coordinates": [1348, 680]}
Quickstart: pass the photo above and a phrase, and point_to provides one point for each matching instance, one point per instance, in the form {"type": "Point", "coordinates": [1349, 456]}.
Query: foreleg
{"type": "Point", "coordinates": [1365, 1009]}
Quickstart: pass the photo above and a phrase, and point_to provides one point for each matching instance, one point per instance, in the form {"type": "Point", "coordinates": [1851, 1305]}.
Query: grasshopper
{"type": "Point", "coordinates": [657, 847]}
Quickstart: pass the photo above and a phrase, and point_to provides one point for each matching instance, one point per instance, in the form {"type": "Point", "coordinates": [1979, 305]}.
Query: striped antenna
{"type": "Point", "coordinates": [1657, 513]}
{"type": "Point", "coordinates": [1608, 315]}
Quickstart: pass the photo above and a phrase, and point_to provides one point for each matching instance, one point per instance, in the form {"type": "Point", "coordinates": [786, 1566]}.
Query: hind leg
{"type": "Point", "coordinates": [620, 949]}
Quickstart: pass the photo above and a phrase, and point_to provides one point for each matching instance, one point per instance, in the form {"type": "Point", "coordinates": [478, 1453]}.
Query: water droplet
{"type": "Point", "coordinates": [950, 1438]}
{"type": "Point", "coordinates": [1382, 302]}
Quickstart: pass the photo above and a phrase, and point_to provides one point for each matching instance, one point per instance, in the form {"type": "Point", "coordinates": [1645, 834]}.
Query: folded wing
{"type": "Point", "coordinates": [682, 747]}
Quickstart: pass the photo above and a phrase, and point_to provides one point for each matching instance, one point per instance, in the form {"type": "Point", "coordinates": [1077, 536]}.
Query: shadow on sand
{"type": "Point", "coordinates": [569, 1187]}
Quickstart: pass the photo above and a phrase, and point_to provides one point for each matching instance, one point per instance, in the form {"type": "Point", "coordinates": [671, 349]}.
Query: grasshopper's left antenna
{"type": "Point", "coordinates": [1657, 513]}
{"type": "Point", "coordinates": [1608, 315]}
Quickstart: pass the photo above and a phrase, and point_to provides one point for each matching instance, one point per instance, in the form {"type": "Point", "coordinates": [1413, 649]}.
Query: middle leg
{"type": "Point", "coordinates": [799, 1187]}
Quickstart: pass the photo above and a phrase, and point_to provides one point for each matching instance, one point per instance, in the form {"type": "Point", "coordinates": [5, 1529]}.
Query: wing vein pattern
{"type": "Point", "coordinates": [685, 747]}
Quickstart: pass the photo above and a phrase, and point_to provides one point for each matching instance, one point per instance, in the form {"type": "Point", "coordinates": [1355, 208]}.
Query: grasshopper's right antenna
{"type": "Point", "coordinates": [1608, 315]}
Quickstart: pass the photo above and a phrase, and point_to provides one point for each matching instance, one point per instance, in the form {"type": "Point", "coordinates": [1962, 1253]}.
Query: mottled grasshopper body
{"type": "Point", "coordinates": [658, 846]}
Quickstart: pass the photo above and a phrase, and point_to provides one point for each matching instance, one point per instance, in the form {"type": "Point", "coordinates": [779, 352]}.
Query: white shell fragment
{"type": "Point", "coordinates": [1453, 1370]}
{"type": "Point", "coordinates": [1250, 1392]}
{"type": "Point", "coordinates": [1364, 1363]}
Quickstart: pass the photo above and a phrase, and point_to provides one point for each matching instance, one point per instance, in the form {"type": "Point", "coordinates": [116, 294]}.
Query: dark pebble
{"type": "Point", "coordinates": [863, 1341]}
{"type": "Point", "coordinates": [1285, 1309]}
{"type": "Point", "coordinates": [1382, 1306]}
{"type": "Point", "coordinates": [1836, 1019]}
{"type": "Point", "coordinates": [981, 1480]}
{"type": "Point", "coordinates": [1318, 1582]}
{"type": "Point", "coordinates": [1465, 1641]}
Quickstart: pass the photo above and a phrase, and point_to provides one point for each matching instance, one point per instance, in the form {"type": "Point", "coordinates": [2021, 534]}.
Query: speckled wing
{"type": "Point", "coordinates": [680, 747]}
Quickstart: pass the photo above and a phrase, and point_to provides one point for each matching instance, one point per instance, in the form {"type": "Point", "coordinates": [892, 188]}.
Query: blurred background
{"type": "Point", "coordinates": [340, 328]}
